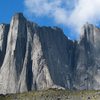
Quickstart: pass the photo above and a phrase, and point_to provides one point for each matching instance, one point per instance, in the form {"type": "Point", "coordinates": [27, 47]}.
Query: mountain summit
{"type": "Point", "coordinates": [36, 58]}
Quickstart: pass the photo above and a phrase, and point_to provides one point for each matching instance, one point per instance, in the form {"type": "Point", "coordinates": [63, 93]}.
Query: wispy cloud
{"type": "Point", "coordinates": [71, 13]}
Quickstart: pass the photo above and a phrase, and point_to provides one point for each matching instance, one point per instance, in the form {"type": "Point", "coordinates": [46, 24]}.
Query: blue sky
{"type": "Point", "coordinates": [8, 8]}
{"type": "Point", "coordinates": [70, 15]}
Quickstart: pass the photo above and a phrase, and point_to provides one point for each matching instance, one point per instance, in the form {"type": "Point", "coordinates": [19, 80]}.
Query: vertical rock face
{"type": "Point", "coordinates": [88, 59]}
{"type": "Point", "coordinates": [3, 41]}
{"type": "Point", "coordinates": [57, 51]}
{"type": "Point", "coordinates": [36, 58]}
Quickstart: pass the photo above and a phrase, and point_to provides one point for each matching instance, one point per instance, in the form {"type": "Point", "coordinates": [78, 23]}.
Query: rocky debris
{"type": "Point", "coordinates": [53, 94]}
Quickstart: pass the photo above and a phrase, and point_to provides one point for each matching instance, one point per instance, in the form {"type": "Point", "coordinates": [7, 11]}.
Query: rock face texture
{"type": "Point", "coordinates": [36, 58]}
{"type": "Point", "coordinates": [87, 73]}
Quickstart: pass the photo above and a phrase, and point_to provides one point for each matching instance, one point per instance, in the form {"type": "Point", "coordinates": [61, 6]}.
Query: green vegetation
{"type": "Point", "coordinates": [54, 94]}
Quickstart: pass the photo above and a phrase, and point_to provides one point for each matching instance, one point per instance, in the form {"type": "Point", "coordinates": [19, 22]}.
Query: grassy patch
{"type": "Point", "coordinates": [54, 94]}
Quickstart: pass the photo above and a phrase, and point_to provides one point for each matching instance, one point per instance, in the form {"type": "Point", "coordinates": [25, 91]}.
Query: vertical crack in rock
{"type": "Point", "coordinates": [34, 57]}
{"type": "Point", "coordinates": [4, 28]}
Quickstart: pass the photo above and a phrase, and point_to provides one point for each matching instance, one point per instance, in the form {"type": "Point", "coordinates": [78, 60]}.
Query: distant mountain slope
{"type": "Point", "coordinates": [36, 58]}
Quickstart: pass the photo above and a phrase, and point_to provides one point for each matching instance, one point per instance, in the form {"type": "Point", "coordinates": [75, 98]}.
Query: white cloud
{"type": "Point", "coordinates": [71, 13]}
